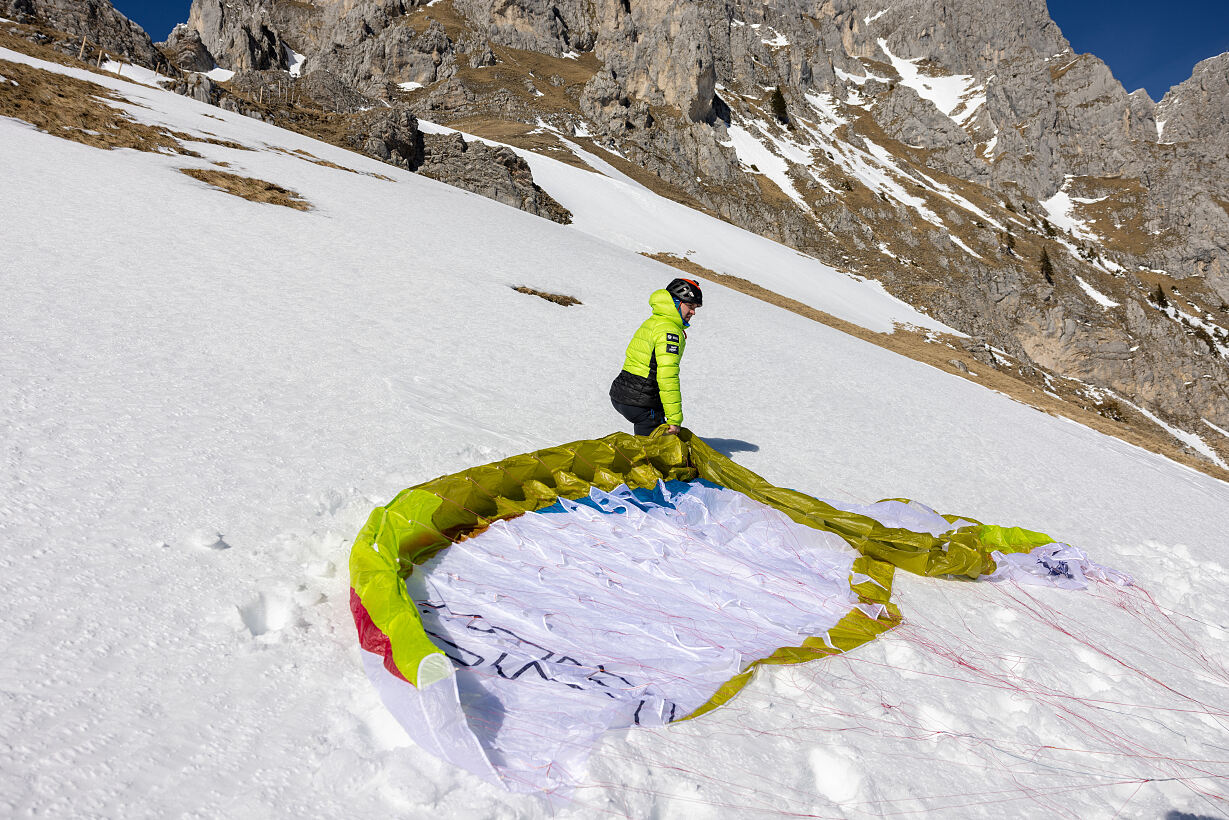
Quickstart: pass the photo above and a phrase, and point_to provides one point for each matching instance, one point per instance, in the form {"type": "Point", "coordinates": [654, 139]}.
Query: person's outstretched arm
{"type": "Point", "coordinates": [668, 348]}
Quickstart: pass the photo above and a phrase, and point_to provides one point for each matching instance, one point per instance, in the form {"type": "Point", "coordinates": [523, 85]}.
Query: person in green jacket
{"type": "Point", "coordinates": [646, 392]}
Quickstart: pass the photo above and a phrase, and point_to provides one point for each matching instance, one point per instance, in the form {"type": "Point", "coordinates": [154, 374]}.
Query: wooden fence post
{"type": "Point", "coordinates": [81, 53]}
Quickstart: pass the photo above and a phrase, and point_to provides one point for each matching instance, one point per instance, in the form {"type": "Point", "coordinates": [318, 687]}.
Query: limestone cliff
{"type": "Point", "coordinates": [940, 146]}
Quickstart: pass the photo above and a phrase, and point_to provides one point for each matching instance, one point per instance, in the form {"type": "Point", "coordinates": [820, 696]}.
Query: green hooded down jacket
{"type": "Point", "coordinates": [650, 376]}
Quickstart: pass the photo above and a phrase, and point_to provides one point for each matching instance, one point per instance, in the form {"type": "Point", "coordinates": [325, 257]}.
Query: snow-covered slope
{"type": "Point", "coordinates": [204, 396]}
{"type": "Point", "coordinates": [610, 205]}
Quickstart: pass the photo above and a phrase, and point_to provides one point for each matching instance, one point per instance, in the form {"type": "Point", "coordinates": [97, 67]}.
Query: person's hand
{"type": "Point", "coordinates": [672, 430]}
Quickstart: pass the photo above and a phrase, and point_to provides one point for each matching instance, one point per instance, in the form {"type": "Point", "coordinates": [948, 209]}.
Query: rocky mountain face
{"type": "Point", "coordinates": [956, 150]}
{"type": "Point", "coordinates": [249, 41]}
{"type": "Point", "coordinates": [1193, 118]}
{"type": "Point", "coordinates": [941, 146]}
{"type": "Point", "coordinates": [97, 20]}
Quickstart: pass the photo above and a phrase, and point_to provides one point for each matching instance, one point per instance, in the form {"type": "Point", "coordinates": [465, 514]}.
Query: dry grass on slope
{"type": "Point", "coordinates": [557, 298]}
{"type": "Point", "coordinates": [455, 25]}
{"type": "Point", "coordinates": [254, 190]}
{"type": "Point", "coordinates": [37, 41]}
{"type": "Point", "coordinates": [77, 110]}
{"type": "Point", "coordinates": [945, 352]}
{"type": "Point", "coordinates": [299, 153]}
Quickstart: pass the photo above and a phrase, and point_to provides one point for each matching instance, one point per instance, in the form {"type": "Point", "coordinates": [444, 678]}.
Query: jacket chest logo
{"type": "Point", "coordinates": [672, 337]}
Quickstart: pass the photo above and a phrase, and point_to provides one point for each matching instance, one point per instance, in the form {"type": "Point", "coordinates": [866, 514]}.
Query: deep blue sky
{"type": "Point", "coordinates": [1148, 44]}
{"type": "Point", "coordinates": [157, 17]}
{"type": "Point", "coordinates": [1151, 45]}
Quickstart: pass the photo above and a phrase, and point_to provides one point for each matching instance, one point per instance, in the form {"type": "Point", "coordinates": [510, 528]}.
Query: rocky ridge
{"type": "Point", "coordinates": [97, 20]}
{"type": "Point", "coordinates": [263, 60]}
{"type": "Point", "coordinates": [940, 146]}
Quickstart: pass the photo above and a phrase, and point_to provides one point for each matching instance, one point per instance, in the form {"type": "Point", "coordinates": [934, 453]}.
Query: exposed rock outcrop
{"type": "Point", "coordinates": [1193, 118]}
{"type": "Point", "coordinates": [198, 87]}
{"type": "Point", "coordinates": [497, 173]}
{"type": "Point", "coordinates": [389, 134]}
{"type": "Point", "coordinates": [240, 35]}
{"type": "Point", "coordinates": [368, 45]}
{"type": "Point", "coordinates": [185, 49]}
{"type": "Point", "coordinates": [96, 19]}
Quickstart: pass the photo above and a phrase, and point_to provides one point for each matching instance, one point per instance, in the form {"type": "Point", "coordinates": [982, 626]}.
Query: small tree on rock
{"type": "Point", "coordinates": [776, 101]}
{"type": "Point", "coordinates": [1047, 267]}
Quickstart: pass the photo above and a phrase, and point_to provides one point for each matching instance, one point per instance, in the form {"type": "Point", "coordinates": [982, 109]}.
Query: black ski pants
{"type": "Point", "coordinates": [644, 419]}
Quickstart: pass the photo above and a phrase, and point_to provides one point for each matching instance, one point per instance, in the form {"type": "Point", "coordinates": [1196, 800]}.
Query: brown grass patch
{"type": "Point", "coordinates": [537, 82]}
{"type": "Point", "coordinates": [520, 135]}
{"type": "Point", "coordinates": [299, 153]}
{"type": "Point", "coordinates": [76, 110]}
{"type": "Point", "coordinates": [551, 75]}
{"type": "Point", "coordinates": [948, 354]}
{"type": "Point", "coordinates": [1057, 72]}
{"type": "Point", "coordinates": [1118, 218]}
{"type": "Point", "coordinates": [210, 140]}
{"type": "Point", "coordinates": [24, 38]}
{"type": "Point", "coordinates": [557, 298]}
{"type": "Point", "coordinates": [255, 190]}
{"type": "Point", "coordinates": [55, 46]}
{"type": "Point", "coordinates": [37, 41]}
{"type": "Point", "coordinates": [454, 24]}
{"type": "Point", "coordinates": [646, 177]}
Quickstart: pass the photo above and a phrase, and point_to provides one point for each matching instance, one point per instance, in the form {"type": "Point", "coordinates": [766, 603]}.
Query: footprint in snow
{"type": "Point", "coordinates": [208, 539]}
{"type": "Point", "coordinates": [267, 613]}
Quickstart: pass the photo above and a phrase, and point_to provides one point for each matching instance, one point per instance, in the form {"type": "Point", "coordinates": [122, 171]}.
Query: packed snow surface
{"type": "Point", "coordinates": [1060, 209]}
{"type": "Point", "coordinates": [1096, 295]}
{"type": "Point", "coordinates": [853, 78]}
{"type": "Point", "coordinates": [958, 96]}
{"type": "Point", "coordinates": [205, 396]}
{"type": "Point", "coordinates": [137, 73]}
{"type": "Point", "coordinates": [294, 61]}
{"type": "Point", "coordinates": [612, 206]}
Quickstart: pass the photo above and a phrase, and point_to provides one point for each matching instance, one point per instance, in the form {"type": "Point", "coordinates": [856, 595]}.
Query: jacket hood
{"type": "Point", "coordinates": [663, 305]}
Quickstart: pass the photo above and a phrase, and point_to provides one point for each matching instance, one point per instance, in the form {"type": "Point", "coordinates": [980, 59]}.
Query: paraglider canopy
{"type": "Point", "coordinates": [514, 612]}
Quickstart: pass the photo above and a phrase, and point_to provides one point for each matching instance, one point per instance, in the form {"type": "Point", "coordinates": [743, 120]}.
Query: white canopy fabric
{"type": "Point", "coordinates": [631, 608]}
{"type": "Point", "coordinates": [626, 608]}
{"type": "Point", "coordinates": [1054, 565]}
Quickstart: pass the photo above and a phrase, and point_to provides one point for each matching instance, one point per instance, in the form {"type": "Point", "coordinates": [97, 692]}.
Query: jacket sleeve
{"type": "Point", "coordinates": [668, 349]}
